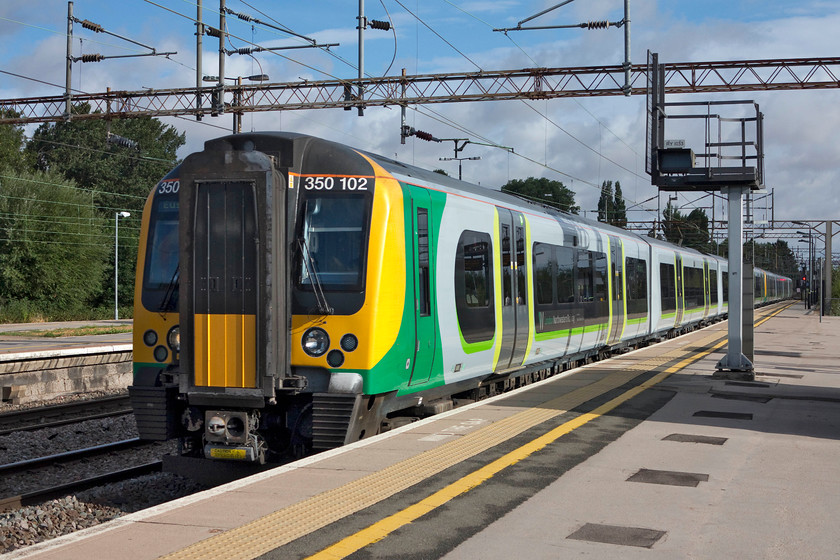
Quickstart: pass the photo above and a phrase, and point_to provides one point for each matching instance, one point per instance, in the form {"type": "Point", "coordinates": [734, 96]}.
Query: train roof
{"type": "Point", "coordinates": [271, 142]}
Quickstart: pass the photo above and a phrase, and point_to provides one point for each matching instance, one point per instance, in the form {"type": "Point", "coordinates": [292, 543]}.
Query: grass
{"type": "Point", "coordinates": [78, 331]}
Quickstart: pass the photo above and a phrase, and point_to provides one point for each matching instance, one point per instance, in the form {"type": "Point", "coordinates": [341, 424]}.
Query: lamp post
{"type": "Point", "coordinates": [117, 216]}
{"type": "Point", "coordinates": [810, 266]}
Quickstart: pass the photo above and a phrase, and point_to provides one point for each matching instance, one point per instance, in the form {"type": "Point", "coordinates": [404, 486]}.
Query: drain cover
{"type": "Point", "coordinates": [720, 414]}
{"type": "Point", "coordinates": [615, 534]}
{"type": "Point", "coordinates": [746, 384]}
{"type": "Point", "coordinates": [736, 397]}
{"type": "Point", "coordinates": [670, 478]}
{"type": "Point", "coordinates": [689, 438]}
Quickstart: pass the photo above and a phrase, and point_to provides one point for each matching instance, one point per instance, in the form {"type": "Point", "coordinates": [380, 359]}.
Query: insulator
{"type": "Point", "coordinates": [124, 142]}
{"type": "Point", "coordinates": [597, 24]}
{"type": "Point", "coordinates": [424, 136]}
{"type": "Point", "coordinates": [244, 50]}
{"type": "Point", "coordinates": [95, 27]}
{"type": "Point", "coordinates": [243, 17]}
{"type": "Point", "coordinates": [91, 57]}
{"type": "Point", "coordinates": [376, 24]}
{"type": "Point", "coordinates": [212, 31]}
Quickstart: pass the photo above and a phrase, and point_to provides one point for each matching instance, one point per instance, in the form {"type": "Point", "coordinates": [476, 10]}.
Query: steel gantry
{"type": "Point", "coordinates": [403, 90]}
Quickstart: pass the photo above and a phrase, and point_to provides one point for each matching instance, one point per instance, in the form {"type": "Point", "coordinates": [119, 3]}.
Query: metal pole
{"type": "Point", "coordinates": [116, 264]}
{"type": "Point", "coordinates": [199, 50]}
{"type": "Point", "coordinates": [627, 48]}
{"type": "Point", "coordinates": [237, 100]}
{"type": "Point", "coordinates": [222, 54]}
{"type": "Point", "coordinates": [68, 108]}
{"type": "Point", "coordinates": [362, 24]}
{"type": "Point", "coordinates": [403, 122]}
{"type": "Point", "coordinates": [829, 267]}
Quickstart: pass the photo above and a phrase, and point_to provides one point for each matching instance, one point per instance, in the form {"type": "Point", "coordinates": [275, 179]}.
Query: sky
{"type": "Point", "coordinates": [581, 142]}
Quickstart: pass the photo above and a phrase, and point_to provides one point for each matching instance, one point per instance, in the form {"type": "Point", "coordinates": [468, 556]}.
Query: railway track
{"type": "Point", "coordinates": [38, 496]}
{"type": "Point", "coordinates": [32, 466]}
{"type": "Point", "coordinates": [63, 414]}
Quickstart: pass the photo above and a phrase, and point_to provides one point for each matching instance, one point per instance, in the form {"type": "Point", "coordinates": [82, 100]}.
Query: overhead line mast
{"type": "Point", "coordinates": [527, 83]}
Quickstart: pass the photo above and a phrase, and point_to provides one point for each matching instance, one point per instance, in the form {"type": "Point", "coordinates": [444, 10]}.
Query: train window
{"type": "Point", "coordinates": [521, 280]}
{"type": "Point", "coordinates": [160, 275]}
{"type": "Point", "coordinates": [583, 277]}
{"type": "Point", "coordinates": [543, 273]}
{"type": "Point", "coordinates": [474, 287]}
{"type": "Point", "coordinates": [637, 289]}
{"type": "Point", "coordinates": [694, 294]}
{"type": "Point", "coordinates": [424, 295]}
{"type": "Point", "coordinates": [565, 274]}
{"type": "Point", "coordinates": [725, 279]}
{"type": "Point", "coordinates": [507, 287]}
{"type": "Point", "coordinates": [333, 234]}
{"type": "Point", "coordinates": [667, 287]}
{"type": "Point", "coordinates": [713, 288]}
{"type": "Point", "coordinates": [473, 261]}
{"type": "Point", "coordinates": [601, 278]}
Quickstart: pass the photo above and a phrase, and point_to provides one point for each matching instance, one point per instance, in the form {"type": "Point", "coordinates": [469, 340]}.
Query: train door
{"type": "Point", "coordinates": [224, 287]}
{"type": "Point", "coordinates": [707, 297]}
{"type": "Point", "coordinates": [515, 323]}
{"type": "Point", "coordinates": [617, 290]}
{"type": "Point", "coordinates": [680, 291]}
{"type": "Point", "coordinates": [424, 308]}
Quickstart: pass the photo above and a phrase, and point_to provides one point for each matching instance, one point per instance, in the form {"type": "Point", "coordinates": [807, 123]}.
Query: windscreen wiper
{"type": "Point", "coordinates": [166, 304]}
{"type": "Point", "coordinates": [321, 299]}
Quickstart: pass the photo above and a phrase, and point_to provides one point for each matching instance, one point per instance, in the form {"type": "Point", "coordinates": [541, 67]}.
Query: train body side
{"type": "Point", "coordinates": [319, 291]}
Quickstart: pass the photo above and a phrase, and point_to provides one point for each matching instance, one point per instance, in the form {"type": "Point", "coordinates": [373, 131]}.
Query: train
{"type": "Point", "coordinates": [294, 295]}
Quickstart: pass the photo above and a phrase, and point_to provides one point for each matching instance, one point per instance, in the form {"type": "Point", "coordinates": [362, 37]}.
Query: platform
{"type": "Point", "coordinates": [645, 455]}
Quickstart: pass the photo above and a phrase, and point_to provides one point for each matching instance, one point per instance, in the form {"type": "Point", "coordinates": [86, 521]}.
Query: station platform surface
{"type": "Point", "coordinates": [645, 455]}
{"type": "Point", "coordinates": [16, 344]}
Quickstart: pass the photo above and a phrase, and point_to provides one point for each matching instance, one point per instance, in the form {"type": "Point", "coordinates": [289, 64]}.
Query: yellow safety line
{"type": "Point", "coordinates": [283, 526]}
{"type": "Point", "coordinates": [383, 528]}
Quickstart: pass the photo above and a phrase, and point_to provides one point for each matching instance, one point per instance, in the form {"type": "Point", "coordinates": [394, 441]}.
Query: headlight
{"type": "Point", "coordinates": [173, 338]}
{"type": "Point", "coordinates": [315, 342]}
{"type": "Point", "coordinates": [216, 426]}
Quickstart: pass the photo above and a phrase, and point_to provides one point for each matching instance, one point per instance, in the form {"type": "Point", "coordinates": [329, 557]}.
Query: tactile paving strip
{"type": "Point", "coordinates": [284, 526]}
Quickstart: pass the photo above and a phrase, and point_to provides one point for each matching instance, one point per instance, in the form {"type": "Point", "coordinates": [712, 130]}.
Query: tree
{"type": "Point", "coordinates": [52, 245]}
{"type": "Point", "coordinates": [12, 156]}
{"type": "Point", "coordinates": [620, 208]}
{"type": "Point", "coordinates": [672, 224]}
{"type": "Point", "coordinates": [697, 230]}
{"type": "Point", "coordinates": [120, 176]}
{"type": "Point", "coordinates": [606, 202]}
{"type": "Point", "coordinates": [776, 257]}
{"type": "Point", "coordinates": [546, 191]}
{"type": "Point", "coordinates": [690, 230]}
{"type": "Point", "coordinates": [611, 206]}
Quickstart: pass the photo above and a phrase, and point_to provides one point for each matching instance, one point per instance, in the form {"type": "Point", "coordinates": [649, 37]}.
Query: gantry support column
{"type": "Point", "coordinates": [735, 365]}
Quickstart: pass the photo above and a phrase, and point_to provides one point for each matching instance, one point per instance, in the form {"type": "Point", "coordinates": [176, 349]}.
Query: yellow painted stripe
{"type": "Point", "coordinates": [383, 528]}
{"type": "Point", "coordinates": [283, 526]}
{"type": "Point", "coordinates": [497, 283]}
{"type": "Point", "coordinates": [225, 351]}
{"type": "Point", "coordinates": [529, 282]}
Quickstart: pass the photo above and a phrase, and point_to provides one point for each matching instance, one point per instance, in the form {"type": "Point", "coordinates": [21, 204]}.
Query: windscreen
{"type": "Point", "coordinates": [333, 234]}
